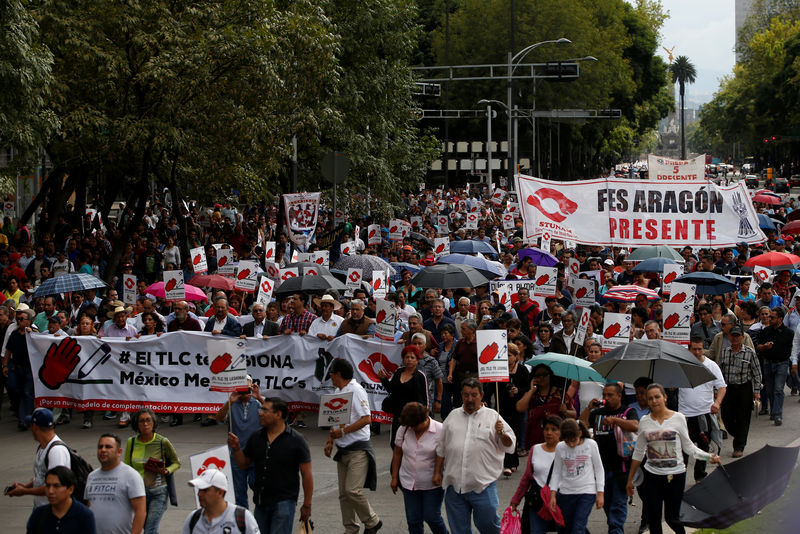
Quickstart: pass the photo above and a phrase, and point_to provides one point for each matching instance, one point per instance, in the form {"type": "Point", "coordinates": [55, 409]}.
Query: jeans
{"type": "Point", "coordinates": [424, 505]}
{"type": "Point", "coordinates": [661, 491]}
{"type": "Point", "coordinates": [20, 381]}
{"type": "Point", "coordinates": [615, 504]}
{"type": "Point", "coordinates": [276, 518]}
{"type": "Point", "coordinates": [538, 525]}
{"type": "Point", "coordinates": [775, 374]}
{"type": "Point", "coordinates": [480, 507]}
{"type": "Point", "coordinates": [576, 509]}
{"type": "Point", "coordinates": [447, 399]}
{"type": "Point", "coordinates": [241, 480]}
{"type": "Point", "coordinates": [157, 500]}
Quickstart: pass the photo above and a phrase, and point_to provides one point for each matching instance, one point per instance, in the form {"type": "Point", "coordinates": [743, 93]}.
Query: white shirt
{"type": "Point", "coordinates": [110, 493]}
{"type": "Point", "coordinates": [665, 444]}
{"type": "Point", "coordinates": [698, 400]}
{"type": "Point", "coordinates": [360, 409]}
{"type": "Point", "coordinates": [578, 470]}
{"type": "Point", "coordinates": [329, 327]}
{"type": "Point", "coordinates": [472, 450]}
{"type": "Point", "coordinates": [55, 456]}
{"type": "Point", "coordinates": [218, 525]}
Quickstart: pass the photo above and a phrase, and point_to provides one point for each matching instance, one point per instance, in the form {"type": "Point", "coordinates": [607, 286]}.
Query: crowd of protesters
{"type": "Point", "coordinates": [748, 339]}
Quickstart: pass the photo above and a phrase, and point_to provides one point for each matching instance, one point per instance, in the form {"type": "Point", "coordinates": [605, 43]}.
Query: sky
{"type": "Point", "coordinates": [703, 31]}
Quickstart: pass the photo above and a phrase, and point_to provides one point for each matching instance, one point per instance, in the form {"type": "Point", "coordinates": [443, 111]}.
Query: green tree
{"type": "Point", "coordinates": [683, 72]}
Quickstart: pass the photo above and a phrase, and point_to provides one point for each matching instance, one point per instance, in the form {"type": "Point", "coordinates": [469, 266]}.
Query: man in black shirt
{"type": "Point", "coordinates": [279, 453]}
{"type": "Point", "coordinates": [604, 419]}
{"type": "Point", "coordinates": [774, 348]}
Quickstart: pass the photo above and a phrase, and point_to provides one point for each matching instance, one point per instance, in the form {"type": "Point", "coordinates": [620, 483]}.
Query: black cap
{"type": "Point", "coordinates": [737, 330]}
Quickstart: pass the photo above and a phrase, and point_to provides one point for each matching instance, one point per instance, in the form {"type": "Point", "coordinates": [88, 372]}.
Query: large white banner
{"type": "Point", "coordinates": [171, 373]}
{"type": "Point", "coordinates": [664, 169]}
{"type": "Point", "coordinates": [622, 212]}
{"type": "Point", "coordinates": [301, 210]}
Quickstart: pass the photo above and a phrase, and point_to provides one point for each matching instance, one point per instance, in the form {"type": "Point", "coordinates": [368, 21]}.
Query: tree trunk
{"type": "Point", "coordinates": [55, 176]}
{"type": "Point", "coordinates": [683, 138]}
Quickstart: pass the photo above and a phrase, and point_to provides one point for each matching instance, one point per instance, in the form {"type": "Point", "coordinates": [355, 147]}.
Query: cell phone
{"type": "Point", "coordinates": [598, 403]}
{"type": "Point", "coordinates": [9, 489]}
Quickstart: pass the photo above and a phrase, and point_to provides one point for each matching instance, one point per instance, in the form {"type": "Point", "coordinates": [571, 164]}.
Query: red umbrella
{"type": "Point", "coordinates": [628, 293]}
{"type": "Point", "coordinates": [767, 199]}
{"type": "Point", "coordinates": [791, 228]}
{"type": "Point", "coordinates": [777, 261]}
{"type": "Point", "coordinates": [793, 215]}
{"type": "Point", "coordinates": [192, 292]}
{"type": "Point", "coordinates": [212, 280]}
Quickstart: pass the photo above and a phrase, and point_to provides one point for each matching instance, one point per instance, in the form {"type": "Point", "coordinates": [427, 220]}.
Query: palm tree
{"type": "Point", "coordinates": [683, 72]}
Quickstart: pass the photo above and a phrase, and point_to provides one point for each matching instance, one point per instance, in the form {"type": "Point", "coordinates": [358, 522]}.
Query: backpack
{"type": "Point", "coordinates": [626, 441]}
{"type": "Point", "coordinates": [79, 466]}
{"type": "Point", "coordinates": [238, 513]}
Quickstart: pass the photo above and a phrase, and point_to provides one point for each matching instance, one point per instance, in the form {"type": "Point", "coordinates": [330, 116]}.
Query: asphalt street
{"type": "Point", "coordinates": [18, 448]}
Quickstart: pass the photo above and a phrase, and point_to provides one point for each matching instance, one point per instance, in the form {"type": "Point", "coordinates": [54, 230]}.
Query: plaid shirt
{"type": "Point", "coordinates": [297, 322]}
{"type": "Point", "coordinates": [741, 367]}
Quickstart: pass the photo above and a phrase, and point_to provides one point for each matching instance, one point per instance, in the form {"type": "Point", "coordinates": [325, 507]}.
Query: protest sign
{"type": "Point", "coordinates": [670, 273]}
{"type": "Point", "coordinates": [288, 272]}
{"type": "Point", "coordinates": [441, 246]}
{"type": "Point", "coordinates": [269, 251]}
{"type": "Point", "coordinates": [508, 220]}
{"type": "Point", "coordinates": [546, 281]}
{"type": "Point", "coordinates": [545, 241]}
{"type": "Point", "coordinates": [273, 270]}
{"type": "Point", "coordinates": [321, 257]}
{"type": "Point", "coordinates": [416, 222]}
{"type": "Point", "coordinates": [472, 221]}
{"type": "Point", "coordinates": [677, 327]}
{"type": "Point", "coordinates": [498, 197]}
{"type": "Point", "coordinates": [620, 212]}
{"type": "Point", "coordinates": [492, 355]}
{"type": "Point", "coordinates": [199, 263]}
{"type": "Point", "coordinates": [228, 365]}
{"type": "Point", "coordinates": [584, 293]}
{"type": "Point", "coordinates": [265, 288]}
{"type": "Point", "coordinates": [353, 278]}
{"type": "Point", "coordinates": [661, 169]}
{"type": "Point", "coordinates": [616, 330]}
{"type": "Point", "coordinates": [218, 458]}
{"type": "Point", "coordinates": [225, 261]}
{"type": "Point", "coordinates": [378, 284]}
{"type": "Point", "coordinates": [301, 211]}
{"type": "Point", "coordinates": [762, 275]}
{"type": "Point", "coordinates": [681, 292]}
{"type": "Point", "coordinates": [374, 234]}
{"type": "Point", "coordinates": [442, 224]}
{"type": "Point", "coordinates": [174, 288]}
{"type": "Point", "coordinates": [129, 289]}
{"type": "Point", "coordinates": [347, 248]}
{"type": "Point", "coordinates": [385, 319]}
{"type": "Point", "coordinates": [246, 273]}
{"type": "Point", "coordinates": [334, 409]}
{"type": "Point", "coordinates": [583, 323]}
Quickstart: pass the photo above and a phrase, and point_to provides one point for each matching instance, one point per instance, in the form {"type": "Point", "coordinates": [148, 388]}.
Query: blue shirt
{"type": "Point", "coordinates": [245, 419]}
{"type": "Point", "coordinates": [78, 520]}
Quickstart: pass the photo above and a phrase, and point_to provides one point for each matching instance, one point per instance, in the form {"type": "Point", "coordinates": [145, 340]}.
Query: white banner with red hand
{"type": "Point", "coordinates": [174, 288]}
{"type": "Point", "coordinates": [677, 325]}
{"type": "Point", "coordinates": [621, 212]}
{"type": "Point", "coordinates": [492, 355]}
{"type": "Point", "coordinates": [225, 263]}
{"type": "Point", "coordinates": [246, 273]}
{"type": "Point", "coordinates": [302, 211]}
{"type": "Point", "coordinates": [227, 363]}
{"type": "Point", "coordinates": [616, 330]}
{"type": "Point", "coordinates": [385, 319]}
{"type": "Point", "coordinates": [199, 263]}
{"type": "Point", "coordinates": [172, 373]}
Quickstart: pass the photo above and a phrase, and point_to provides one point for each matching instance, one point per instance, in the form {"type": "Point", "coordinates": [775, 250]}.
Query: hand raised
{"type": "Point", "coordinates": [59, 362]}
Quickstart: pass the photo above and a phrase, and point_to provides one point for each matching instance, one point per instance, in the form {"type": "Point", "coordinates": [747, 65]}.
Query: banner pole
{"type": "Point", "coordinates": [230, 416]}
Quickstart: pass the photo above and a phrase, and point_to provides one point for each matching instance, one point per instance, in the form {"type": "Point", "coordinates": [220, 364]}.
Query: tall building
{"type": "Point", "coordinates": [743, 8]}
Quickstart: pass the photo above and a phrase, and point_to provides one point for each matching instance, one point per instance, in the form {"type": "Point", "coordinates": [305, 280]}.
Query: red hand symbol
{"type": "Point", "coordinates": [612, 330]}
{"type": "Point", "coordinates": [393, 229]}
{"type": "Point", "coordinates": [670, 277]}
{"type": "Point", "coordinates": [671, 321]}
{"type": "Point", "coordinates": [372, 232]}
{"type": "Point", "coordinates": [59, 362]}
{"type": "Point", "coordinates": [196, 260]}
{"type": "Point", "coordinates": [440, 248]}
{"type": "Point", "coordinates": [319, 260]}
{"type": "Point", "coordinates": [381, 316]}
{"type": "Point", "coordinates": [269, 253]}
{"type": "Point", "coordinates": [580, 293]}
{"type": "Point", "coordinates": [679, 297]}
{"type": "Point", "coordinates": [345, 251]}
{"type": "Point", "coordinates": [488, 353]}
{"type": "Point", "coordinates": [171, 284]}
{"type": "Point", "coordinates": [542, 280]}
{"type": "Point", "coordinates": [221, 363]}
{"type": "Point", "coordinates": [222, 261]}
{"type": "Point", "coordinates": [244, 273]}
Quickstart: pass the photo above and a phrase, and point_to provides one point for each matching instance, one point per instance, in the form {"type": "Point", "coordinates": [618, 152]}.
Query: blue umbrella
{"type": "Point", "coordinates": [538, 256]}
{"type": "Point", "coordinates": [399, 266]}
{"type": "Point", "coordinates": [765, 223]}
{"type": "Point", "coordinates": [653, 265]}
{"type": "Point", "coordinates": [708, 283]}
{"type": "Point", "coordinates": [485, 267]}
{"type": "Point", "coordinates": [67, 283]}
{"type": "Point", "coordinates": [470, 246]}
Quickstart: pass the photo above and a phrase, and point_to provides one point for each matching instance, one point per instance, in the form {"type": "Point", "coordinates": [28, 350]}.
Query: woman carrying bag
{"type": "Point", "coordinates": [537, 471]}
{"type": "Point", "coordinates": [412, 469]}
{"type": "Point", "coordinates": [664, 436]}
{"type": "Point", "coordinates": [407, 384]}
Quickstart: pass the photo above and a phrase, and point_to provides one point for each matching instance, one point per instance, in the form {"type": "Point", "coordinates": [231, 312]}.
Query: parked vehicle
{"type": "Point", "coordinates": [751, 181]}
{"type": "Point", "coordinates": [794, 180]}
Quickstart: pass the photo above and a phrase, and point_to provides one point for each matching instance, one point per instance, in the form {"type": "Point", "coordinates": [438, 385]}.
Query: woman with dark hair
{"type": "Point", "coordinates": [536, 475]}
{"type": "Point", "coordinates": [446, 347]}
{"type": "Point", "coordinates": [511, 392]}
{"type": "Point", "coordinates": [664, 437]}
{"type": "Point", "coordinates": [522, 268]}
{"type": "Point", "coordinates": [413, 463]}
{"type": "Point", "coordinates": [484, 315]}
{"type": "Point", "coordinates": [544, 336]}
{"type": "Point", "coordinates": [154, 458]}
{"type": "Point", "coordinates": [407, 384]}
{"type": "Point", "coordinates": [542, 399]}
{"type": "Point", "coordinates": [151, 325]}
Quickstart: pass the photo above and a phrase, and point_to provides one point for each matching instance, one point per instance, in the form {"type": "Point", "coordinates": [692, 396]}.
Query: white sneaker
{"type": "Point", "coordinates": [125, 417]}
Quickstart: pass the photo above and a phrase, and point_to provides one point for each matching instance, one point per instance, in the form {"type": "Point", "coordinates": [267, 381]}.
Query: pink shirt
{"type": "Point", "coordinates": [419, 456]}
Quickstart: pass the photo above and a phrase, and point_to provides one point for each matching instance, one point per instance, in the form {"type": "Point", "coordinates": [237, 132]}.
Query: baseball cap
{"type": "Point", "coordinates": [609, 262]}
{"type": "Point", "coordinates": [210, 477]}
{"type": "Point", "coordinates": [54, 319]}
{"type": "Point", "coordinates": [41, 417]}
{"type": "Point", "coordinates": [736, 330]}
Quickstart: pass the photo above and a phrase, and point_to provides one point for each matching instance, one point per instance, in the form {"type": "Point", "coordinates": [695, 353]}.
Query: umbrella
{"type": "Point", "coordinates": [629, 293]}
{"type": "Point", "coordinates": [653, 265]}
{"type": "Point", "coordinates": [192, 292]}
{"type": "Point", "coordinates": [366, 262]}
{"type": "Point", "coordinates": [470, 246]}
{"type": "Point", "coordinates": [767, 199]}
{"type": "Point", "coordinates": [538, 256]}
{"type": "Point", "coordinates": [767, 192]}
{"type": "Point", "coordinates": [792, 227]}
{"type": "Point", "coordinates": [740, 489]}
{"type": "Point", "coordinates": [303, 265]}
{"type": "Point", "coordinates": [399, 266]}
{"type": "Point", "coordinates": [416, 236]}
{"type": "Point", "coordinates": [663, 251]}
{"type": "Point", "coordinates": [793, 215]}
{"type": "Point", "coordinates": [764, 222]}
{"type": "Point", "coordinates": [446, 275]}
{"type": "Point", "coordinates": [67, 283]}
{"type": "Point", "coordinates": [310, 284]}
{"type": "Point", "coordinates": [567, 366]}
{"type": "Point", "coordinates": [777, 261]}
{"type": "Point", "coordinates": [707, 283]}
{"type": "Point", "coordinates": [661, 361]}
{"type": "Point", "coordinates": [487, 268]}
{"type": "Point", "coordinates": [212, 280]}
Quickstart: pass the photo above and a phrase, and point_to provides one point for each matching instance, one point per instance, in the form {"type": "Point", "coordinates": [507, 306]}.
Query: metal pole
{"type": "Point", "coordinates": [516, 145]}
{"type": "Point", "coordinates": [294, 164]}
{"type": "Point", "coordinates": [489, 143]}
{"type": "Point", "coordinates": [510, 136]}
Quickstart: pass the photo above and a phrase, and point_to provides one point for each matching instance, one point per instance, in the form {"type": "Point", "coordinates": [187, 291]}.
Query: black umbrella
{"type": "Point", "coordinates": [416, 236]}
{"type": "Point", "coordinates": [708, 283]}
{"type": "Point", "coordinates": [471, 246]}
{"type": "Point", "coordinates": [304, 266]}
{"type": "Point", "coordinates": [739, 490]}
{"type": "Point", "coordinates": [309, 284]}
{"type": "Point", "coordinates": [660, 251]}
{"type": "Point", "coordinates": [449, 275]}
{"type": "Point", "coordinates": [664, 362]}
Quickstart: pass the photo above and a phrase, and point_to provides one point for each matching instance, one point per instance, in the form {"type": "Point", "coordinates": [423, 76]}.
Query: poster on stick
{"type": "Point", "coordinates": [492, 355]}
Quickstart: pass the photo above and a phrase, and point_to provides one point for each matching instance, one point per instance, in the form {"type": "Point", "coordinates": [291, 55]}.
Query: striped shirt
{"type": "Point", "coordinates": [297, 323]}
{"type": "Point", "coordinates": [740, 367]}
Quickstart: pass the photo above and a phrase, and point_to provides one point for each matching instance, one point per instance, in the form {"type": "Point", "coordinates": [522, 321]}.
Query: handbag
{"type": "Point", "coordinates": [510, 523]}
{"type": "Point", "coordinates": [546, 512]}
{"type": "Point", "coordinates": [533, 497]}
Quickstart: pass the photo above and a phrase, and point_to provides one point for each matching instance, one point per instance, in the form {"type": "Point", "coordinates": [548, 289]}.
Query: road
{"type": "Point", "coordinates": [19, 448]}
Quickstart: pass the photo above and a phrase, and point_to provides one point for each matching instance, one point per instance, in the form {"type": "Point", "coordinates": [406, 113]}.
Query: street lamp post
{"type": "Point", "coordinates": [489, 143]}
{"type": "Point", "coordinates": [513, 61]}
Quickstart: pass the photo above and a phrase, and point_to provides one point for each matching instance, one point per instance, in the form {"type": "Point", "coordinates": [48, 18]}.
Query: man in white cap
{"type": "Point", "coordinates": [215, 515]}
{"type": "Point", "coordinates": [326, 325]}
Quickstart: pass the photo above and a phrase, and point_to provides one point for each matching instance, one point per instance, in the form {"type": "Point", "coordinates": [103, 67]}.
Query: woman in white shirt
{"type": "Point", "coordinates": [578, 477]}
{"type": "Point", "coordinates": [172, 254]}
{"type": "Point", "coordinates": [664, 436]}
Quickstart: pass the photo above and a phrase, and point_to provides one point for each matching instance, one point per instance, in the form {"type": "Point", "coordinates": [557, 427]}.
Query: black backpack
{"type": "Point", "coordinates": [238, 513]}
{"type": "Point", "coordinates": [79, 466]}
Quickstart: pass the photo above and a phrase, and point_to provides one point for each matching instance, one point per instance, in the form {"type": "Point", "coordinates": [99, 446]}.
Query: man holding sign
{"type": "Point", "coordinates": [281, 458]}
